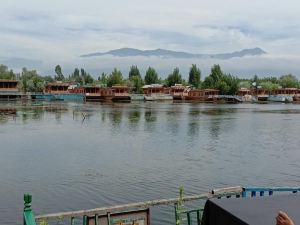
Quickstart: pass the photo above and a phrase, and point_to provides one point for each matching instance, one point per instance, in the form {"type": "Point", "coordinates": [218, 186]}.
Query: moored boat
{"type": "Point", "coordinates": [177, 91]}
{"type": "Point", "coordinates": [120, 94]}
{"type": "Point", "coordinates": [137, 97]}
{"type": "Point", "coordinates": [157, 92]}
{"type": "Point", "coordinates": [280, 98]}
{"type": "Point", "coordinates": [61, 91]}
{"type": "Point", "coordinates": [200, 95]}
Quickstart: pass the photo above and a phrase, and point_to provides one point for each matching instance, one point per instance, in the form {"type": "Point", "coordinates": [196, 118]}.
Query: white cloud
{"type": "Point", "coordinates": [58, 31]}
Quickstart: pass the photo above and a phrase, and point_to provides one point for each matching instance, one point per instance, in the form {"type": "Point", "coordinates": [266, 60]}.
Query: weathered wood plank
{"type": "Point", "coordinates": [139, 205]}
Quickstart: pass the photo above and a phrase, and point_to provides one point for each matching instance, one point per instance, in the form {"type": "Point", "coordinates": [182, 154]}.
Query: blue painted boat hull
{"type": "Point", "coordinates": [59, 97]}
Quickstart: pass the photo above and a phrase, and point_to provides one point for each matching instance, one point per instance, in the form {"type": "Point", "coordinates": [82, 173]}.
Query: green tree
{"type": "Point", "coordinates": [194, 76]}
{"type": "Point", "coordinates": [288, 81]}
{"type": "Point", "coordinates": [75, 76]}
{"type": "Point", "coordinates": [269, 86]}
{"type": "Point", "coordinates": [103, 79]}
{"type": "Point", "coordinates": [86, 77]}
{"type": "Point", "coordinates": [151, 76]}
{"type": "Point", "coordinates": [174, 78]}
{"type": "Point", "coordinates": [134, 71]}
{"type": "Point", "coordinates": [6, 74]}
{"type": "Point", "coordinates": [216, 72]}
{"type": "Point", "coordinates": [136, 83]}
{"type": "Point", "coordinates": [31, 81]}
{"type": "Point", "coordinates": [215, 76]}
{"type": "Point", "coordinates": [114, 78]}
{"type": "Point", "coordinates": [245, 84]}
{"type": "Point", "coordinates": [59, 75]}
{"type": "Point", "coordinates": [225, 83]}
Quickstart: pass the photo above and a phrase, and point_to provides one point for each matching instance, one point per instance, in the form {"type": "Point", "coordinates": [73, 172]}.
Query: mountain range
{"type": "Point", "coordinates": [164, 53]}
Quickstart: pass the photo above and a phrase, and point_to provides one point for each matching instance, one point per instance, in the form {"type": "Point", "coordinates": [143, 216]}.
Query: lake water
{"type": "Point", "coordinates": [76, 156]}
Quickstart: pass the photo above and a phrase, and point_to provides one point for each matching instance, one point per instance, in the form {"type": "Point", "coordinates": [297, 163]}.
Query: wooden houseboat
{"type": "Point", "coordinates": [157, 92]}
{"type": "Point", "coordinates": [283, 95]}
{"type": "Point", "coordinates": [177, 91]}
{"type": "Point", "coordinates": [246, 95]}
{"type": "Point", "coordinates": [95, 93]}
{"type": "Point", "coordinates": [261, 94]}
{"type": "Point", "coordinates": [206, 95]}
{"type": "Point", "coordinates": [293, 93]}
{"type": "Point", "coordinates": [120, 93]}
{"type": "Point", "coordinates": [9, 90]}
{"type": "Point", "coordinates": [61, 91]}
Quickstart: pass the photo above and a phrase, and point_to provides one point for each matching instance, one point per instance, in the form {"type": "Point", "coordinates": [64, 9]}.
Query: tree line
{"type": "Point", "coordinates": [31, 81]}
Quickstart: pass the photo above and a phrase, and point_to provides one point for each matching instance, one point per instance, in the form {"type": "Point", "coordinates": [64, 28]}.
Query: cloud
{"type": "Point", "coordinates": [61, 30]}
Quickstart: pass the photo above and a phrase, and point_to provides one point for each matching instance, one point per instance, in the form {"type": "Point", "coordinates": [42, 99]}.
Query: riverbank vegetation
{"type": "Point", "coordinates": [31, 81]}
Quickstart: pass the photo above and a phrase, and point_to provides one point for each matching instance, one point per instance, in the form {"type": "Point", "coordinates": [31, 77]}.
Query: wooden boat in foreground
{"type": "Point", "coordinates": [138, 213]}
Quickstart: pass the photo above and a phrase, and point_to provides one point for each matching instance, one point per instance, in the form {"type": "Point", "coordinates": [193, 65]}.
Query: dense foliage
{"type": "Point", "coordinates": [31, 81]}
{"type": "Point", "coordinates": [151, 76]}
{"type": "Point", "coordinates": [115, 78]}
{"type": "Point", "coordinates": [194, 76]}
{"type": "Point", "coordinates": [174, 78]}
{"type": "Point", "coordinates": [226, 83]}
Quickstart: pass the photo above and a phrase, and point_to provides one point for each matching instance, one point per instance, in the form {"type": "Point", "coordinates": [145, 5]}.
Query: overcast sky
{"type": "Point", "coordinates": [41, 34]}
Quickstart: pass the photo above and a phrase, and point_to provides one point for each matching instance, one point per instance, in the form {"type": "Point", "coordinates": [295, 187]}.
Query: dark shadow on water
{"type": "Point", "coordinates": [150, 120]}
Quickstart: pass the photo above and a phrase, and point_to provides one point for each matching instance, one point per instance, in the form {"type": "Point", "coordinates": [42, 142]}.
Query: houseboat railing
{"type": "Point", "coordinates": [28, 217]}
{"type": "Point", "coordinates": [182, 215]}
{"type": "Point", "coordinates": [185, 216]}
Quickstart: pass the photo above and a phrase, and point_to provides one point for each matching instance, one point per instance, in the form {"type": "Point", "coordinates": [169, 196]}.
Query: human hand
{"type": "Point", "coordinates": [283, 219]}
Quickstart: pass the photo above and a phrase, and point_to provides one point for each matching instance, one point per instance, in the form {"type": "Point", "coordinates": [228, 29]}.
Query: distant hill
{"type": "Point", "coordinates": [128, 52]}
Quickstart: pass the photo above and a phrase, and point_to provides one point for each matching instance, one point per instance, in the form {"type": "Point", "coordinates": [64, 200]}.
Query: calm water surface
{"type": "Point", "coordinates": [75, 156]}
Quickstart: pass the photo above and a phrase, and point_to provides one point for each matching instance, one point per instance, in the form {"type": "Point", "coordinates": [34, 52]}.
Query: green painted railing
{"type": "Point", "coordinates": [182, 215]}
{"type": "Point", "coordinates": [28, 217]}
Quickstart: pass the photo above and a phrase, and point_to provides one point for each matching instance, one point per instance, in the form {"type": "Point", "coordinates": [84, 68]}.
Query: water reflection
{"type": "Point", "coordinates": [134, 119]}
{"type": "Point", "coordinates": [134, 116]}
{"type": "Point", "coordinates": [200, 146]}
{"type": "Point", "coordinates": [172, 121]}
{"type": "Point", "coordinates": [115, 117]}
{"type": "Point", "coordinates": [150, 117]}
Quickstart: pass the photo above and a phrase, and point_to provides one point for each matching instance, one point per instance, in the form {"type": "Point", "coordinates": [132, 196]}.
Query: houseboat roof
{"type": "Point", "coordinates": [244, 89]}
{"type": "Point", "coordinates": [65, 84]}
{"type": "Point", "coordinates": [153, 86]}
{"type": "Point", "coordinates": [291, 89]}
{"type": "Point", "coordinates": [178, 86]}
{"type": "Point", "coordinates": [120, 87]}
{"type": "Point", "coordinates": [209, 89]}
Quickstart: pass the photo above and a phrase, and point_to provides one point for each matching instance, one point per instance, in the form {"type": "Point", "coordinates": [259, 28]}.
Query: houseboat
{"type": "Point", "coordinates": [246, 95]}
{"type": "Point", "coordinates": [96, 93]}
{"type": "Point", "coordinates": [177, 91]}
{"type": "Point", "coordinates": [137, 97]}
{"type": "Point", "coordinates": [61, 91]}
{"type": "Point", "coordinates": [9, 90]}
{"type": "Point", "coordinates": [280, 98]}
{"type": "Point", "coordinates": [284, 95]}
{"type": "Point", "coordinates": [157, 92]}
{"type": "Point", "coordinates": [206, 95]}
{"type": "Point", "coordinates": [261, 94]}
{"type": "Point", "coordinates": [120, 93]}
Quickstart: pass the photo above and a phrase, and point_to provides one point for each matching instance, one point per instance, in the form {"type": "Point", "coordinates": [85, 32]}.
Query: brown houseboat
{"type": "Point", "coordinates": [157, 92]}
{"type": "Point", "coordinates": [94, 93]}
{"type": "Point", "coordinates": [206, 95]}
{"type": "Point", "coordinates": [120, 93]}
{"type": "Point", "coordinates": [9, 89]}
{"type": "Point", "coordinates": [177, 91]}
{"type": "Point", "coordinates": [292, 92]}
